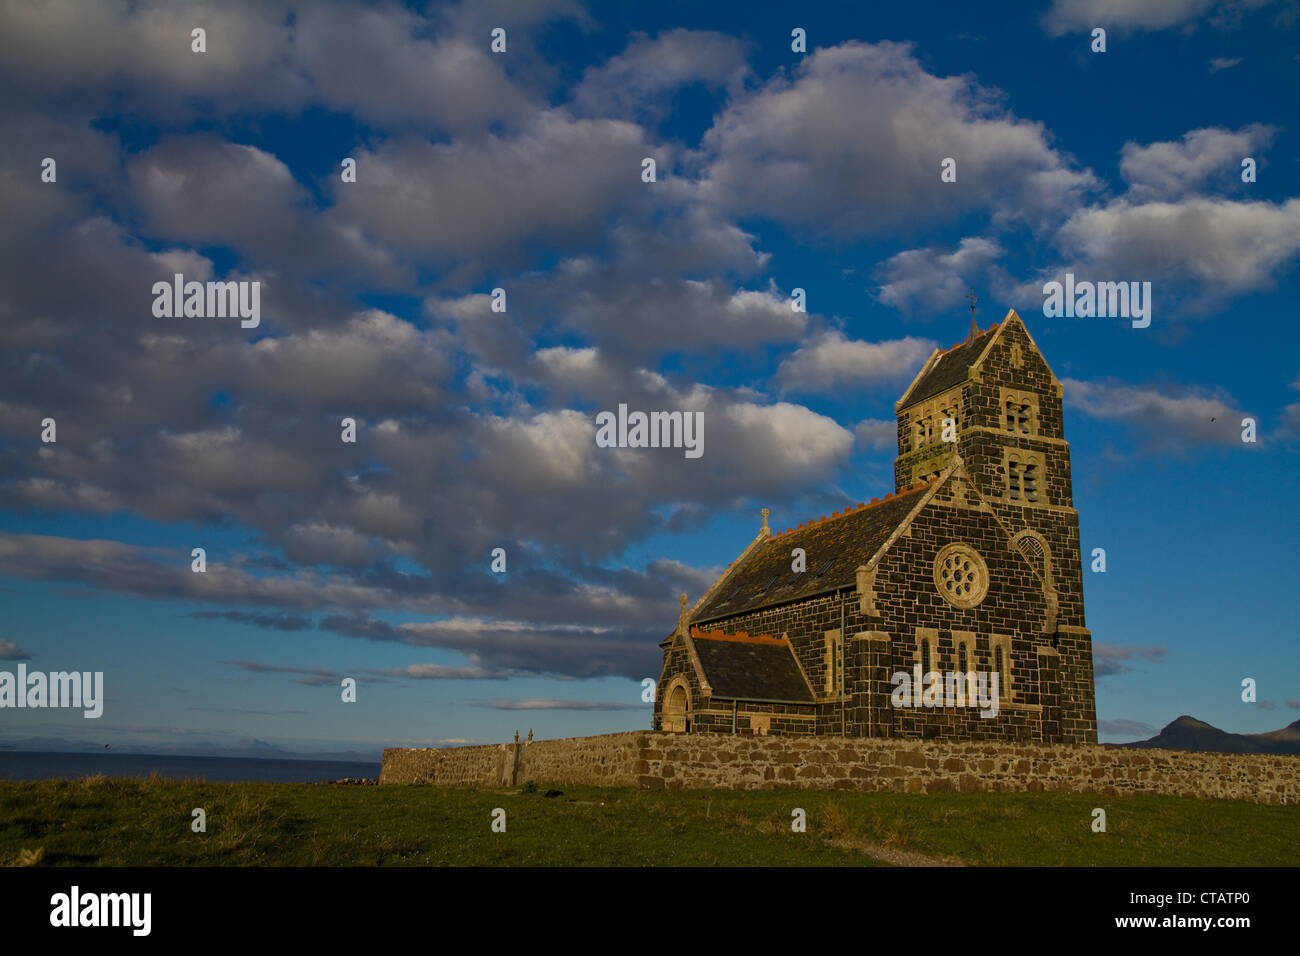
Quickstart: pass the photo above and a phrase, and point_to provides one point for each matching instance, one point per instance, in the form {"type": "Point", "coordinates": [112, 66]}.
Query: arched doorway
{"type": "Point", "coordinates": [677, 708]}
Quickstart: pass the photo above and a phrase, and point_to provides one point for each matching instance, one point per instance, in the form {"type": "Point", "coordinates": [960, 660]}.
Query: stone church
{"type": "Point", "coordinates": [972, 566]}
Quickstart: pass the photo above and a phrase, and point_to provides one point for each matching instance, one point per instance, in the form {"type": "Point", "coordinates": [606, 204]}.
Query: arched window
{"type": "Point", "coordinates": [1023, 472]}
{"type": "Point", "coordinates": [961, 657]}
{"type": "Point", "coordinates": [1037, 553]}
{"type": "Point", "coordinates": [833, 662]}
{"type": "Point", "coordinates": [925, 656]}
{"type": "Point", "coordinates": [998, 668]}
{"type": "Point", "coordinates": [1018, 415]}
{"type": "Point", "coordinates": [676, 713]}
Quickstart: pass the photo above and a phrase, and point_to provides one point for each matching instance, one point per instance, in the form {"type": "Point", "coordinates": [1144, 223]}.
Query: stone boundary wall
{"type": "Point", "coordinates": [658, 760]}
{"type": "Point", "coordinates": [449, 767]}
{"type": "Point", "coordinates": [608, 760]}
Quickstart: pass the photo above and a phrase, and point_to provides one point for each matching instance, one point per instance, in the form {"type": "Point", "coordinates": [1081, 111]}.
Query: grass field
{"type": "Point", "coordinates": [98, 821]}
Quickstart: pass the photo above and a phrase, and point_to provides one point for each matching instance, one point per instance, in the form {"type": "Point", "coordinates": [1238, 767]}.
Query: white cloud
{"type": "Point", "coordinates": [672, 315]}
{"type": "Point", "coordinates": [444, 672]}
{"type": "Point", "coordinates": [558, 446]}
{"type": "Point", "coordinates": [382, 62]}
{"type": "Point", "coordinates": [374, 359]}
{"type": "Point", "coordinates": [831, 362]}
{"type": "Point", "coordinates": [1082, 15]}
{"type": "Point", "coordinates": [1166, 419]}
{"type": "Point", "coordinates": [317, 542]}
{"type": "Point", "coordinates": [62, 45]}
{"type": "Point", "coordinates": [644, 75]}
{"type": "Point", "coordinates": [9, 651]}
{"type": "Point", "coordinates": [379, 64]}
{"type": "Point", "coordinates": [1108, 659]}
{"type": "Point", "coordinates": [224, 461]}
{"type": "Point", "coordinates": [53, 495]}
{"type": "Point", "coordinates": [877, 434]}
{"type": "Point", "coordinates": [1224, 63]}
{"type": "Point", "coordinates": [853, 145]}
{"type": "Point", "coordinates": [799, 442]}
{"type": "Point", "coordinates": [206, 190]}
{"type": "Point", "coordinates": [932, 278]}
{"type": "Point", "coordinates": [1228, 247]}
{"type": "Point", "coordinates": [1210, 156]}
{"type": "Point", "coordinates": [554, 180]}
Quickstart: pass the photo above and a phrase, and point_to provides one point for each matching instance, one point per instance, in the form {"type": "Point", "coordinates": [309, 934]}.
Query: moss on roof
{"type": "Point", "coordinates": [951, 368]}
{"type": "Point", "coordinates": [834, 546]}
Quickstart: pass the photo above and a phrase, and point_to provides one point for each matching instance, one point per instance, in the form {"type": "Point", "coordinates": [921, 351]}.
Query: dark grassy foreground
{"type": "Point", "coordinates": [147, 823]}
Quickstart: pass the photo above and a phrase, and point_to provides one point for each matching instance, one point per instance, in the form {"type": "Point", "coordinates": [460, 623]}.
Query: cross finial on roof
{"type": "Point", "coordinates": [765, 529]}
{"type": "Point", "coordinates": [974, 329]}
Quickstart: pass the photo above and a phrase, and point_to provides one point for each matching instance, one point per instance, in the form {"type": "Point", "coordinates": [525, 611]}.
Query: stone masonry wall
{"type": "Point", "coordinates": [657, 760]}
{"type": "Point", "coordinates": [451, 767]}
{"type": "Point", "coordinates": [608, 760]}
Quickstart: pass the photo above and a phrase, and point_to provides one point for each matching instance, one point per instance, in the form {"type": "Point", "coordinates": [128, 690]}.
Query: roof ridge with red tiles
{"type": "Point", "coordinates": [978, 336]}
{"type": "Point", "coordinates": [740, 637]}
{"type": "Point", "coordinates": [862, 506]}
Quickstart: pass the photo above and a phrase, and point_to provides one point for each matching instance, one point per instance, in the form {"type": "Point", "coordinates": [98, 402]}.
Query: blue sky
{"type": "Point", "coordinates": [776, 170]}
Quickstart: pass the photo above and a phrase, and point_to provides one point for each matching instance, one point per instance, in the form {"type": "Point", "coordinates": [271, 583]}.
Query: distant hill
{"type": "Point", "coordinates": [252, 748]}
{"type": "Point", "coordinates": [1188, 733]}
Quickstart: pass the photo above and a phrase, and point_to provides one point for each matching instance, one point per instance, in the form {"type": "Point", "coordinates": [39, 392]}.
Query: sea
{"type": "Point", "coordinates": [22, 765]}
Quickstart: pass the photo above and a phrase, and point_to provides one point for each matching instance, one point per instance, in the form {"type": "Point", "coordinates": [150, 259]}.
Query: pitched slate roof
{"type": "Point", "coordinates": [740, 667]}
{"type": "Point", "coordinates": [950, 368]}
{"type": "Point", "coordinates": [834, 546]}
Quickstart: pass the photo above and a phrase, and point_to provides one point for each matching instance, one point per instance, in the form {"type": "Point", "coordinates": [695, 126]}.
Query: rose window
{"type": "Point", "coordinates": [961, 576]}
